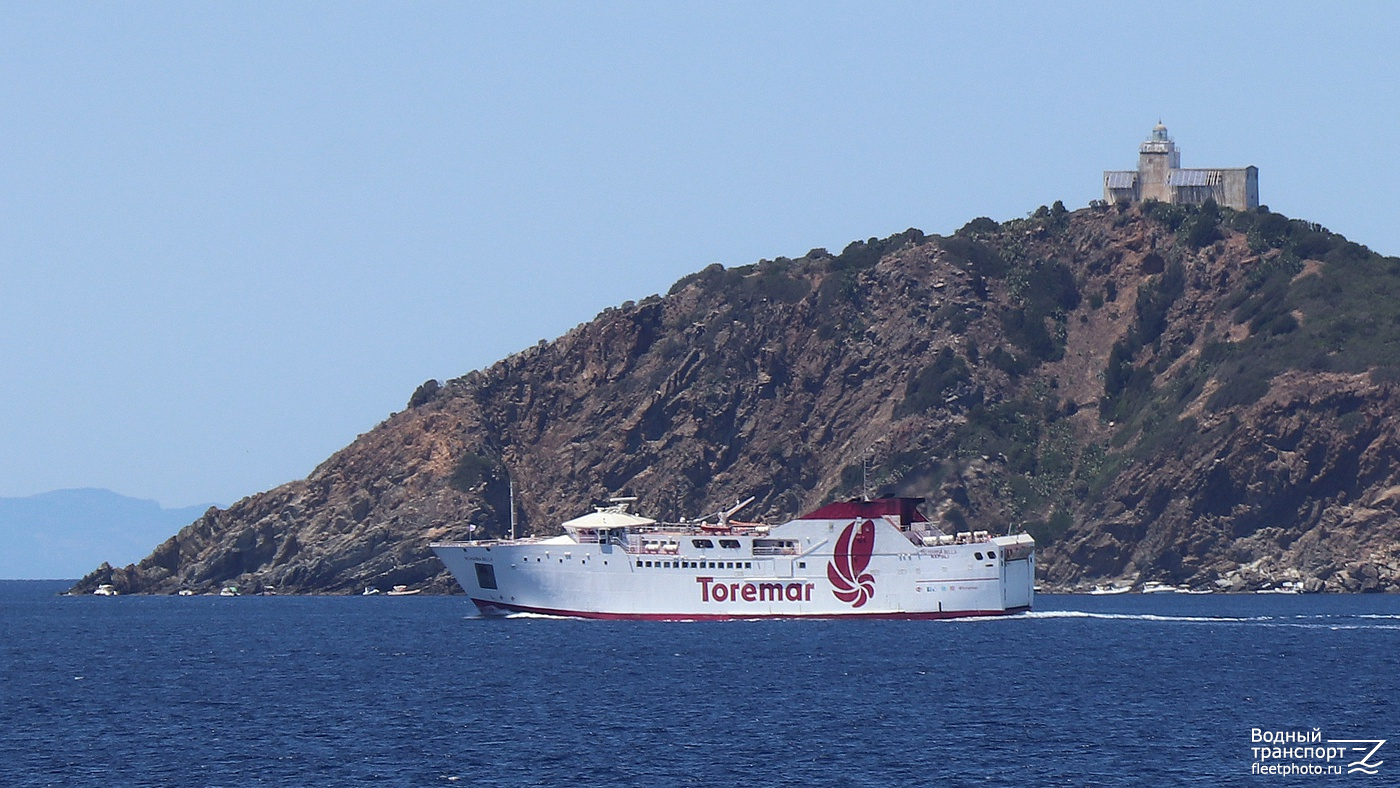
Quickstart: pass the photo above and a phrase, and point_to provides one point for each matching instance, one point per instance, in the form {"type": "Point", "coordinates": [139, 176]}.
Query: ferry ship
{"type": "Point", "coordinates": [860, 558]}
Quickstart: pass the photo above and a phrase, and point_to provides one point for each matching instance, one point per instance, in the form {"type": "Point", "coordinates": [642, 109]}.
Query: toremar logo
{"type": "Point", "coordinates": [846, 571]}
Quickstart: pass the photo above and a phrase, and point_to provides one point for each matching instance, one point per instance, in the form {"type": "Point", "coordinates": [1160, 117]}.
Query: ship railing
{"type": "Point", "coordinates": [488, 542]}
{"type": "Point", "coordinates": [774, 550]}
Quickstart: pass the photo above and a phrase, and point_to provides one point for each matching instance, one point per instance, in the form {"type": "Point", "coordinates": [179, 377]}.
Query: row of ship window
{"type": "Point", "coordinates": [990, 555]}
{"type": "Point", "coordinates": [695, 564]}
{"type": "Point", "coordinates": [733, 544]}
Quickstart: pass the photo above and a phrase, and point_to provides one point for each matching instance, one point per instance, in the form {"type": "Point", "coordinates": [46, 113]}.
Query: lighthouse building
{"type": "Point", "coordinates": [1159, 176]}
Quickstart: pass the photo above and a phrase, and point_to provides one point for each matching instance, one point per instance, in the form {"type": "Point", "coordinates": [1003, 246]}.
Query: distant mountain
{"type": "Point", "coordinates": [1155, 392]}
{"type": "Point", "coordinates": [63, 534]}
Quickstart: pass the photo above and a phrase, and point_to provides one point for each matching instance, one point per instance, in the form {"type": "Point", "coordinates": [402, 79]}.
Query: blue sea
{"type": "Point", "coordinates": [417, 691]}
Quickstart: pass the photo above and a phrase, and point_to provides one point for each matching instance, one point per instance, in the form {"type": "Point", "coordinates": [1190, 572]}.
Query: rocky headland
{"type": "Point", "coordinates": [1194, 396]}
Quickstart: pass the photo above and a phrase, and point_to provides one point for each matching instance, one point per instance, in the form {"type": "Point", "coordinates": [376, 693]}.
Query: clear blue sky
{"type": "Point", "coordinates": [235, 235]}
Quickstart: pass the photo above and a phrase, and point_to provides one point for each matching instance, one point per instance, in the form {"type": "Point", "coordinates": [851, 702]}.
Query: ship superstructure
{"type": "Point", "coordinates": [870, 558]}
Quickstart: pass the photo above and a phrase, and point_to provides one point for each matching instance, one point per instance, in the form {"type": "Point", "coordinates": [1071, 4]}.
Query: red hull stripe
{"type": "Point", "coordinates": [488, 608]}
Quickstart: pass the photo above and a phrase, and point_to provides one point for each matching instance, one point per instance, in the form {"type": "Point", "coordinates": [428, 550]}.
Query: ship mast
{"type": "Point", "coordinates": [511, 479]}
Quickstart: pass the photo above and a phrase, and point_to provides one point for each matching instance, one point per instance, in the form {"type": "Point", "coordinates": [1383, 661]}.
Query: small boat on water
{"type": "Point", "coordinates": [1109, 590]}
{"type": "Point", "coordinates": [403, 591]}
{"type": "Point", "coordinates": [106, 589]}
{"type": "Point", "coordinates": [1155, 587]}
{"type": "Point", "coordinates": [229, 591]}
{"type": "Point", "coordinates": [370, 591]}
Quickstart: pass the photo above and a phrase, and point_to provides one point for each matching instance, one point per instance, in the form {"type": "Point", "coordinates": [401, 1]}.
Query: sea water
{"type": "Point", "coordinates": [417, 691]}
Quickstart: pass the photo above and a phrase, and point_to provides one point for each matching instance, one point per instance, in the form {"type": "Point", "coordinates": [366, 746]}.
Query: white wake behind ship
{"type": "Point", "coordinates": [860, 558]}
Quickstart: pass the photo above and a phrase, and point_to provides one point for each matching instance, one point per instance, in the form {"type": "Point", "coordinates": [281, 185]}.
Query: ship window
{"type": "Point", "coordinates": [748, 565]}
{"type": "Point", "coordinates": [712, 564]}
{"type": "Point", "coordinates": [731, 544]}
{"type": "Point", "coordinates": [486, 575]}
{"type": "Point", "coordinates": [991, 554]}
{"type": "Point", "coordinates": [702, 543]}
{"type": "Point", "coordinates": [978, 556]}
{"type": "Point", "coordinates": [801, 564]}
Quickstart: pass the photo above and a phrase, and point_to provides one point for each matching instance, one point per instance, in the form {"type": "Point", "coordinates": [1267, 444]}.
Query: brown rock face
{"type": "Point", "coordinates": [1150, 409]}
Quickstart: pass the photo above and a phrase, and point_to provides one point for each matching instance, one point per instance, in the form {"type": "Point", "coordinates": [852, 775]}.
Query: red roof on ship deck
{"type": "Point", "coordinates": [906, 509]}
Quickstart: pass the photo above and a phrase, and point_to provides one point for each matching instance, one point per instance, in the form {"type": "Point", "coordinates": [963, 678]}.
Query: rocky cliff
{"type": "Point", "coordinates": [1188, 395]}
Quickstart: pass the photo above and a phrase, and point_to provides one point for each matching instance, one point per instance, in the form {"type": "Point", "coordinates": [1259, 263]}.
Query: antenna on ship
{"type": "Point", "coordinates": [512, 507]}
{"type": "Point", "coordinates": [865, 459]}
{"type": "Point", "coordinates": [865, 476]}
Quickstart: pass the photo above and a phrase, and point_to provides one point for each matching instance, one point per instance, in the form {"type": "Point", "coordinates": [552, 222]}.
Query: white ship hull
{"type": "Point", "coordinates": [827, 565]}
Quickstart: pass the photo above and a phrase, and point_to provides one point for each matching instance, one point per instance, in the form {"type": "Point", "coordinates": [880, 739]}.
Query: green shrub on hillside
{"type": "Point", "coordinates": [933, 384]}
{"type": "Point", "coordinates": [1124, 383]}
{"type": "Point", "coordinates": [1204, 228]}
{"type": "Point", "coordinates": [975, 257]}
{"type": "Point", "coordinates": [1049, 531]}
{"type": "Point", "coordinates": [1167, 214]}
{"type": "Point", "coordinates": [1044, 292]}
{"type": "Point", "coordinates": [1155, 299]}
{"type": "Point", "coordinates": [859, 255]}
{"type": "Point", "coordinates": [471, 470]}
{"type": "Point", "coordinates": [979, 226]}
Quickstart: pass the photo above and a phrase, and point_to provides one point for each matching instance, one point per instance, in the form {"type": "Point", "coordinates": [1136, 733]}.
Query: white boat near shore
{"type": "Point", "coordinates": [1109, 590]}
{"type": "Point", "coordinates": [1155, 587]}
